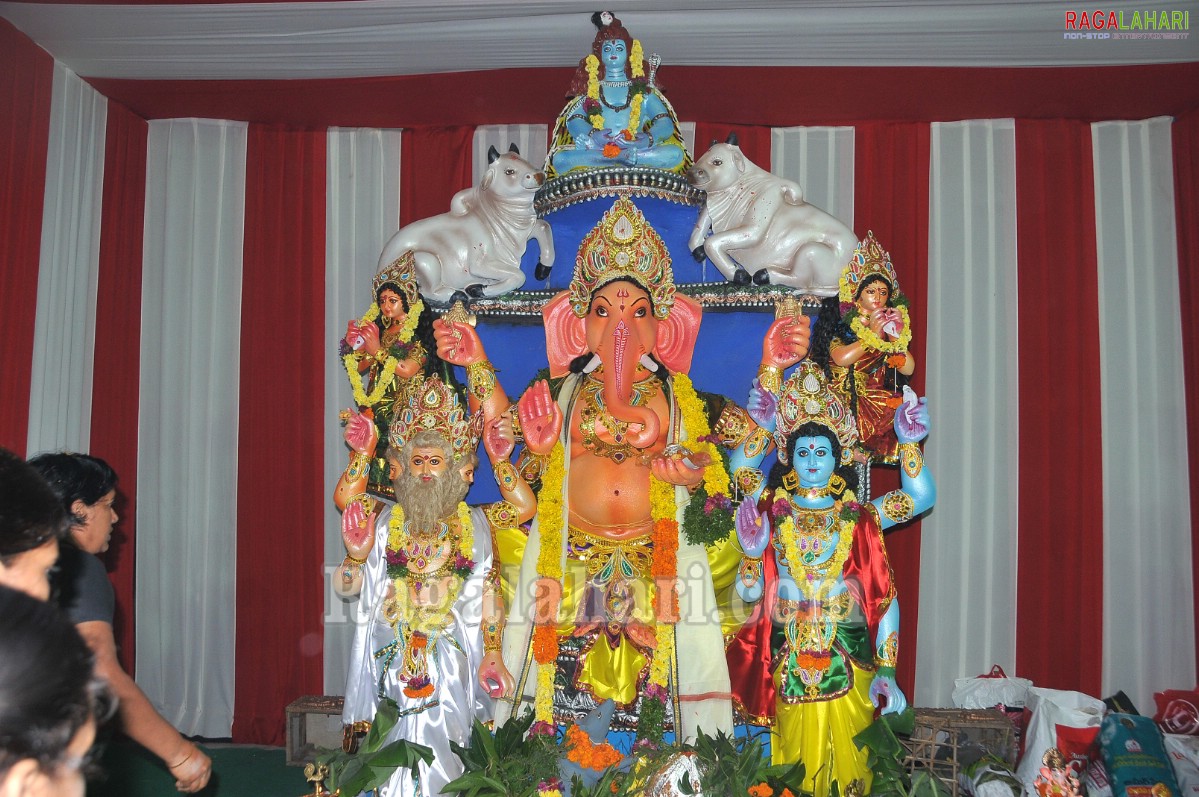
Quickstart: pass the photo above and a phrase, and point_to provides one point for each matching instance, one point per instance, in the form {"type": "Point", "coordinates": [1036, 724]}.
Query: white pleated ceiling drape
{"type": "Point", "coordinates": [60, 390]}
{"type": "Point", "coordinates": [1146, 496]}
{"type": "Point", "coordinates": [362, 211]}
{"type": "Point", "coordinates": [968, 542]}
{"type": "Point", "coordinates": [188, 421]}
{"type": "Point", "coordinates": [821, 160]}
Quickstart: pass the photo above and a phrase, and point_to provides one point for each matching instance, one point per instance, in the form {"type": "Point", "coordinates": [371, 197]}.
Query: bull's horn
{"type": "Point", "coordinates": [732, 139]}
{"type": "Point", "coordinates": [515, 150]}
{"type": "Point", "coordinates": [493, 154]}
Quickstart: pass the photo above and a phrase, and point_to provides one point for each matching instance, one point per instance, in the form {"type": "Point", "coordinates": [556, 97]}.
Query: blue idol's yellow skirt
{"type": "Point", "coordinates": [823, 731]}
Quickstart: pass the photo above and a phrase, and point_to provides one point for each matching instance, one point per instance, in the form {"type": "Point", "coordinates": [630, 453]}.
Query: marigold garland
{"type": "Point", "coordinates": [870, 340]}
{"type": "Point", "coordinates": [588, 754]}
{"type": "Point", "coordinates": [786, 533]}
{"type": "Point", "coordinates": [386, 376]}
{"type": "Point", "coordinates": [382, 383]}
{"type": "Point", "coordinates": [695, 421]}
{"type": "Point", "coordinates": [549, 565]}
{"type": "Point", "coordinates": [591, 63]}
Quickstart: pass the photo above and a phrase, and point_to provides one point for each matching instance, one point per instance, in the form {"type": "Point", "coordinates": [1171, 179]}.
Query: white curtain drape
{"type": "Point", "coordinates": [531, 140]}
{"type": "Point", "coordinates": [820, 159]}
{"type": "Point", "coordinates": [60, 390]}
{"type": "Point", "coordinates": [188, 421]}
{"type": "Point", "coordinates": [968, 542]}
{"type": "Point", "coordinates": [361, 209]}
{"type": "Point", "coordinates": [1146, 497]}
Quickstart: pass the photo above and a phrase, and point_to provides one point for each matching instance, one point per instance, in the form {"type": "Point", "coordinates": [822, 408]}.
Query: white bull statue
{"type": "Point", "coordinates": [477, 246]}
{"type": "Point", "coordinates": [762, 226]}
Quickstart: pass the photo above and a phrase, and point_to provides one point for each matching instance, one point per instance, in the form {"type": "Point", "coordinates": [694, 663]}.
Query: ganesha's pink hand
{"type": "Point", "coordinates": [361, 434]}
{"type": "Point", "coordinates": [540, 418]}
{"type": "Point", "coordinates": [499, 438]}
{"type": "Point", "coordinates": [787, 341]}
{"type": "Point", "coordinates": [685, 471]}
{"type": "Point", "coordinates": [458, 343]}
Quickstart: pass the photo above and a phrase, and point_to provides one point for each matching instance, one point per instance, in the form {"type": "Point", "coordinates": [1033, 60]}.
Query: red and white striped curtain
{"type": "Point", "coordinates": [173, 293]}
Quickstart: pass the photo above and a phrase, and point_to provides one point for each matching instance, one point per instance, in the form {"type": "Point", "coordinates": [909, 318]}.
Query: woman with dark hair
{"type": "Point", "coordinates": [31, 524]}
{"type": "Point", "coordinates": [50, 700]}
{"type": "Point", "coordinates": [86, 488]}
{"type": "Point", "coordinates": [384, 350]}
{"type": "Point", "coordinates": [871, 361]}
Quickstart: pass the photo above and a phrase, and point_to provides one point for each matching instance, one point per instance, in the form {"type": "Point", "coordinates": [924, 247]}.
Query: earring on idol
{"type": "Point", "coordinates": [791, 481]}
{"type": "Point", "coordinates": [836, 485]}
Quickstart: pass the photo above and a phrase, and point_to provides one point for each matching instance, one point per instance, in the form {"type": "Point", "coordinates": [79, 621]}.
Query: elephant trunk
{"type": "Point", "coordinates": [620, 356]}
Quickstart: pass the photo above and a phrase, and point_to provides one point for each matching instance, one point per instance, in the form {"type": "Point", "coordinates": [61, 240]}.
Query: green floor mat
{"type": "Point", "coordinates": [237, 771]}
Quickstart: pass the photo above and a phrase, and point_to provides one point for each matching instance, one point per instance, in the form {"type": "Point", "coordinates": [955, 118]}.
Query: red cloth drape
{"type": "Point", "coordinates": [1185, 134]}
{"type": "Point", "coordinates": [891, 172]}
{"type": "Point", "coordinates": [754, 140]}
{"type": "Point", "coordinates": [115, 387]}
{"type": "Point", "coordinates": [435, 164]}
{"type": "Point", "coordinates": [281, 490]}
{"type": "Point", "coordinates": [26, 83]}
{"type": "Point", "coordinates": [1059, 611]}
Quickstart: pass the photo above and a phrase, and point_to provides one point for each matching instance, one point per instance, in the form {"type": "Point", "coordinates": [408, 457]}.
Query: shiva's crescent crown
{"type": "Point", "coordinates": [807, 397]}
{"type": "Point", "coordinates": [623, 244]}
{"type": "Point", "coordinates": [430, 405]}
{"type": "Point", "coordinates": [402, 274]}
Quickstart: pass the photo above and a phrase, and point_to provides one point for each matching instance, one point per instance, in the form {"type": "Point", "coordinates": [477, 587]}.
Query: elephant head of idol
{"type": "Point", "coordinates": [622, 309]}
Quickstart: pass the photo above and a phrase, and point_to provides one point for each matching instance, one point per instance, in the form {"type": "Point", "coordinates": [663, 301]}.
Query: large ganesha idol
{"type": "Point", "coordinates": [631, 489]}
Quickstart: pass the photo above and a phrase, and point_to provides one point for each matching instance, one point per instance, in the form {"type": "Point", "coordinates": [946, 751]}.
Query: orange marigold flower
{"type": "Point", "coordinates": [587, 753]}
{"type": "Point", "coordinates": [893, 402]}
{"type": "Point", "coordinates": [897, 360]}
{"type": "Point", "coordinates": [760, 790]}
{"type": "Point", "coordinates": [787, 793]}
{"type": "Point", "coordinates": [545, 644]}
{"type": "Point", "coordinates": [611, 150]}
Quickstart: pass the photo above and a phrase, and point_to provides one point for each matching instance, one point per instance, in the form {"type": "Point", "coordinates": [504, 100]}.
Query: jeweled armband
{"type": "Point", "coordinates": [493, 635]}
{"type": "Point", "coordinates": [910, 459]}
{"type": "Point", "coordinates": [887, 654]}
{"type": "Point", "coordinates": [733, 425]}
{"type": "Point", "coordinates": [747, 479]}
{"type": "Point", "coordinates": [480, 376]}
{"type": "Point", "coordinates": [898, 506]}
{"type": "Point", "coordinates": [359, 467]}
{"type": "Point", "coordinates": [750, 570]}
{"type": "Point", "coordinates": [770, 378]}
{"type": "Point", "coordinates": [502, 515]}
{"type": "Point", "coordinates": [505, 475]}
{"type": "Point", "coordinates": [758, 442]}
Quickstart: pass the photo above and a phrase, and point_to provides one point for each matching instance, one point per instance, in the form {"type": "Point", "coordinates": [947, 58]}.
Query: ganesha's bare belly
{"type": "Point", "coordinates": [607, 499]}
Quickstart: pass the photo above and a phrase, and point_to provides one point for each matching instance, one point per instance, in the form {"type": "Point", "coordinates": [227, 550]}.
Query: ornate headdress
{"type": "Point", "coordinates": [869, 259]}
{"type": "Point", "coordinates": [430, 405]}
{"type": "Point", "coordinates": [402, 274]}
{"type": "Point", "coordinates": [807, 397]}
{"type": "Point", "coordinates": [623, 244]}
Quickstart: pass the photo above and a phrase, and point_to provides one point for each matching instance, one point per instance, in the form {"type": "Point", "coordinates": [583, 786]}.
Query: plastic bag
{"type": "Point", "coordinates": [1058, 718]}
{"type": "Point", "coordinates": [995, 690]}
{"type": "Point", "coordinates": [1136, 757]}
